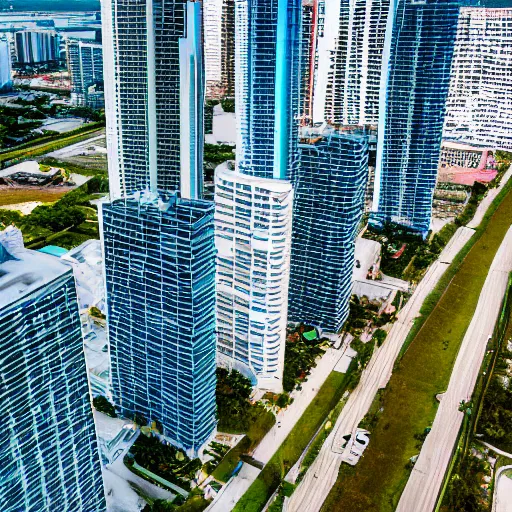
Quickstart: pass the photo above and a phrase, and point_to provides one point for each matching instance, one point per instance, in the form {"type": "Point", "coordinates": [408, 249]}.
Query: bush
{"type": "Point", "coordinates": [57, 217]}
{"type": "Point", "coordinates": [101, 404]}
{"type": "Point", "coordinates": [228, 104]}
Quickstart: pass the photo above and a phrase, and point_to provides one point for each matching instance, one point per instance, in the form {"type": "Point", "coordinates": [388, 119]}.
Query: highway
{"type": "Point", "coordinates": [424, 484]}
{"type": "Point", "coordinates": [321, 476]}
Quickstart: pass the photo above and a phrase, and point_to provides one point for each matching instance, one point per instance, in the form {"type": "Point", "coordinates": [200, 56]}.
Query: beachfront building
{"type": "Point", "coordinates": [253, 226]}
{"type": "Point", "coordinates": [85, 65]}
{"type": "Point", "coordinates": [479, 105]}
{"type": "Point", "coordinates": [418, 51]}
{"type": "Point", "coordinates": [50, 458]}
{"type": "Point", "coordinates": [36, 46]}
{"type": "Point", "coordinates": [328, 206]}
{"type": "Point", "coordinates": [157, 233]}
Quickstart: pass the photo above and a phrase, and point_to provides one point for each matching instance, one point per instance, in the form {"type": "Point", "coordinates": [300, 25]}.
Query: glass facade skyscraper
{"type": "Point", "coordinates": [143, 92]}
{"type": "Point", "coordinates": [160, 279]}
{"type": "Point", "coordinates": [157, 234]}
{"type": "Point", "coordinates": [417, 54]}
{"type": "Point", "coordinates": [328, 206]}
{"type": "Point", "coordinates": [5, 66]}
{"type": "Point", "coordinates": [49, 457]}
{"type": "Point", "coordinates": [267, 55]}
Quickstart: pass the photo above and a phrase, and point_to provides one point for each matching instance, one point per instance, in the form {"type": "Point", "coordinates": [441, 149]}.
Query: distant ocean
{"type": "Point", "coordinates": [50, 5]}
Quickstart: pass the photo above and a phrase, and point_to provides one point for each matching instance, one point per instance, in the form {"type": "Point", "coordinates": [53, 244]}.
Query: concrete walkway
{"type": "Point", "coordinates": [323, 473]}
{"type": "Point", "coordinates": [502, 501]}
{"type": "Point", "coordinates": [424, 484]}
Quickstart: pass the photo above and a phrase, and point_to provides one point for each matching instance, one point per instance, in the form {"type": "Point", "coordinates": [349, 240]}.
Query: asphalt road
{"type": "Point", "coordinates": [322, 474]}
{"type": "Point", "coordinates": [424, 484]}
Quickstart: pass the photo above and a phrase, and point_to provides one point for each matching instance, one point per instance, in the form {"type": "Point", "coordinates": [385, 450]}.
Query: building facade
{"type": "Point", "coordinates": [418, 53]}
{"type": "Point", "coordinates": [479, 105]}
{"type": "Point", "coordinates": [36, 46]}
{"type": "Point", "coordinates": [253, 225]}
{"type": "Point", "coordinates": [352, 96]}
{"type": "Point", "coordinates": [160, 284]}
{"type": "Point", "coordinates": [228, 48]}
{"type": "Point", "coordinates": [50, 458]}
{"type": "Point", "coordinates": [310, 26]}
{"type": "Point", "coordinates": [158, 242]}
{"type": "Point", "coordinates": [85, 65]}
{"type": "Point", "coordinates": [328, 206]}
{"type": "Point", "coordinates": [212, 15]}
{"type": "Point", "coordinates": [144, 92]}
{"type": "Point", "coordinates": [5, 66]}
{"type": "Point", "coordinates": [267, 86]}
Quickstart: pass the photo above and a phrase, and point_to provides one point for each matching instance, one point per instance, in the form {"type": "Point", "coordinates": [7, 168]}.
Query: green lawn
{"type": "Point", "coordinates": [376, 483]}
{"type": "Point", "coordinates": [293, 446]}
{"type": "Point", "coordinates": [260, 422]}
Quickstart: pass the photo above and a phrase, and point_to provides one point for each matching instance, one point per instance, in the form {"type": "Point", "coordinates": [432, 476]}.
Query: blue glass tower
{"type": "Point", "coordinates": [329, 201]}
{"type": "Point", "coordinates": [157, 233]}
{"type": "Point", "coordinates": [418, 53]}
{"type": "Point", "coordinates": [49, 457]}
{"type": "Point", "coordinates": [267, 56]}
{"type": "Point", "coordinates": [161, 316]}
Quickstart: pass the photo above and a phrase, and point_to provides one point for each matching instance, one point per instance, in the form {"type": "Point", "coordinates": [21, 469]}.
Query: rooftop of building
{"type": "Point", "coordinates": [23, 271]}
{"type": "Point", "coordinates": [311, 135]}
{"type": "Point", "coordinates": [274, 185]}
{"type": "Point", "coordinates": [166, 203]}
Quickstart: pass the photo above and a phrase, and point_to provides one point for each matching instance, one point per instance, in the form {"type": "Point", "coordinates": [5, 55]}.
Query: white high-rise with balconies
{"type": "Point", "coordinates": [479, 105]}
{"type": "Point", "coordinates": [253, 226]}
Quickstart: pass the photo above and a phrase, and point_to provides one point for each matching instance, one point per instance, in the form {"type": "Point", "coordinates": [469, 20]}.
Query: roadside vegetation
{"type": "Point", "coordinates": [237, 415]}
{"type": "Point", "coordinates": [408, 404]}
{"type": "Point", "coordinates": [468, 484]}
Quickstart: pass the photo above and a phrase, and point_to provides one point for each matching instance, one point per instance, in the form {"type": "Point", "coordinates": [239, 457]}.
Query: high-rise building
{"type": "Point", "coordinates": [418, 53]}
{"type": "Point", "coordinates": [219, 47]}
{"type": "Point", "coordinates": [37, 46]}
{"type": "Point", "coordinates": [310, 19]}
{"type": "Point", "coordinates": [144, 95]}
{"type": "Point", "coordinates": [479, 105]}
{"type": "Point", "coordinates": [212, 15]}
{"type": "Point", "coordinates": [352, 96]}
{"type": "Point", "coordinates": [85, 65]}
{"type": "Point", "coordinates": [328, 206]}
{"type": "Point", "coordinates": [48, 446]}
{"type": "Point", "coordinates": [5, 66]}
{"type": "Point", "coordinates": [253, 225]}
{"type": "Point", "coordinates": [254, 203]}
{"type": "Point", "coordinates": [160, 283]}
{"type": "Point", "coordinates": [158, 243]}
{"type": "Point", "coordinates": [227, 61]}
{"type": "Point", "coordinates": [267, 86]}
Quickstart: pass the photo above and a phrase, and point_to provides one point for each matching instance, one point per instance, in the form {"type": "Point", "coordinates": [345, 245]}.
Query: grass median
{"type": "Point", "coordinates": [289, 452]}
{"type": "Point", "coordinates": [408, 404]}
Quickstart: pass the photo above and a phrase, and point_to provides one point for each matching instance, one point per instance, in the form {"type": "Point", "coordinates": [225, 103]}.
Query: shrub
{"type": "Point", "coordinates": [101, 404]}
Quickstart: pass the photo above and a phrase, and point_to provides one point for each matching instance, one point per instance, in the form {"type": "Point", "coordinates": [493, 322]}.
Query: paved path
{"type": "Point", "coordinates": [321, 476]}
{"type": "Point", "coordinates": [287, 418]}
{"type": "Point", "coordinates": [424, 484]}
{"type": "Point", "coordinates": [502, 501]}
{"type": "Point", "coordinates": [488, 199]}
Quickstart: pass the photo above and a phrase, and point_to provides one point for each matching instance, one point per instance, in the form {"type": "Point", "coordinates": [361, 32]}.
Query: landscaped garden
{"type": "Point", "coordinates": [67, 223]}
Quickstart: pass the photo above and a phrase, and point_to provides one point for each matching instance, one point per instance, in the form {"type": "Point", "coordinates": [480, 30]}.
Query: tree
{"type": "Point", "coordinates": [101, 404]}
